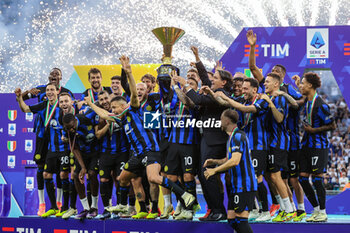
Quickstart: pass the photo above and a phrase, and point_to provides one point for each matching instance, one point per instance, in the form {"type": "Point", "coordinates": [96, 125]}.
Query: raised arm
{"type": "Point", "coordinates": [23, 106]}
{"type": "Point", "coordinates": [134, 101]}
{"type": "Point", "coordinates": [251, 37]}
{"type": "Point", "coordinates": [202, 72]}
{"type": "Point", "coordinates": [124, 83]}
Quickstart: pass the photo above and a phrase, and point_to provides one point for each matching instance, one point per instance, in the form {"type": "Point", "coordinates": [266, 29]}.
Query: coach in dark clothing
{"type": "Point", "coordinates": [213, 142]}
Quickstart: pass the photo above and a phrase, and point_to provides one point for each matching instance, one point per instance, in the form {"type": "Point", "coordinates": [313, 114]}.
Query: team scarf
{"type": "Point", "coordinates": [310, 109]}
{"type": "Point", "coordinates": [49, 114]}
{"type": "Point", "coordinates": [91, 93]}
{"type": "Point", "coordinates": [143, 104]}
{"type": "Point", "coordinates": [248, 116]}
{"type": "Point", "coordinates": [230, 138]}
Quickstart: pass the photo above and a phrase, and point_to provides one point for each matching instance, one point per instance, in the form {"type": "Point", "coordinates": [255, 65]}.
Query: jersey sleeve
{"type": "Point", "coordinates": [325, 114]}
{"type": "Point", "coordinates": [293, 92]}
{"type": "Point", "coordinates": [262, 106]}
{"type": "Point", "coordinates": [281, 104]}
{"type": "Point", "coordinates": [38, 107]}
{"type": "Point", "coordinates": [237, 143]}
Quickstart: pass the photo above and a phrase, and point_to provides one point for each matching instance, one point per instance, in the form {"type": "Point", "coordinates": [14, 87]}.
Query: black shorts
{"type": "Point", "coordinates": [112, 162]}
{"type": "Point", "coordinates": [181, 159]}
{"type": "Point", "coordinates": [313, 161]}
{"type": "Point", "coordinates": [277, 160]}
{"type": "Point", "coordinates": [240, 202]}
{"type": "Point", "coordinates": [293, 163]}
{"type": "Point", "coordinates": [137, 163]}
{"type": "Point", "coordinates": [259, 158]}
{"type": "Point", "coordinates": [56, 162]}
{"type": "Point", "coordinates": [90, 161]}
{"type": "Point", "coordinates": [40, 150]}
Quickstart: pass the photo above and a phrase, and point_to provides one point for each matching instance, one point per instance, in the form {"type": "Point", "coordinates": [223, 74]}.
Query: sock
{"type": "Point", "coordinates": [88, 191]}
{"type": "Point", "coordinates": [65, 189]}
{"type": "Point", "coordinates": [50, 189]}
{"type": "Point", "coordinates": [132, 200]}
{"type": "Point", "coordinates": [118, 194]}
{"type": "Point", "coordinates": [104, 189]}
{"type": "Point", "coordinates": [309, 192]}
{"type": "Point", "coordinates": [166, 183]}
{"type": "Point", "coordinates": [40, 179]}
{"type": "Point", "coordinates": [124, 191]}
{"type": "Point", "coordinates": [320, 191]}
{"type": "Point", "coordinates": [262, 192]}
{"type": "Point", "coordinates": [59, 194]}
{"type": "Point", "coordinates": [242, 225]}
{"type": "Point", "coordinates": [72, 195]}
{"type": "Point", "coordinates": [301, 206]}
{"type": "Point", "coordinates": [142, 206]}
{"type": "Point", "coordinates": [323, 211]}
{"type": "Point", "coordinates": [94, 202]}
{"type": "Point", "coordinates": [41, 196]}
{"type": "Point", "coordinates": [154, 206]}
{"type": "Point", "coordinates": [293, 206]}
{"type": "Point", "coordinates": [317, 209]}
{"type": "Point", "coordinates": [279, 200]}
{"type": "Point", "coordinates": [84, 203]}
{"type": "Point", "coordinates": [287, 205]}
{"type": "Point", "coordinates": [167, 200]}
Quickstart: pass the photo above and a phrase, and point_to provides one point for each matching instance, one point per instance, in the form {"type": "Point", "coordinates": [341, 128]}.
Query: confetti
{"type": "Point", "coordinates": [38, 35]}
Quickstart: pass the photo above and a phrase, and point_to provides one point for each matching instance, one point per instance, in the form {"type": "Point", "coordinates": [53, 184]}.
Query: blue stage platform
{"type": "Point", "coordinates": [31, 224]}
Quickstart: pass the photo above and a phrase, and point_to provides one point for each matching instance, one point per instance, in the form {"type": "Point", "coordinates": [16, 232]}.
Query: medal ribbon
{"type": "Point", "coordinates": [247, 116]}
{"type": "Point", "coordinates": [49, 114]}
{"type": "Point", "coordinates": [143, 104]}
{"type": "Point", "coordinates": [71, 145]}
{"type": "Point", "coordinates": [309, 110]}
{"type": "Point", "coordinates": [230, 138]}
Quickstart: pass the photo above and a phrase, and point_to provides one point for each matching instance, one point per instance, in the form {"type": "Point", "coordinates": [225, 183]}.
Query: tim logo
{"type": "Point", "coordinates": [72, 231]}
{"type": "Point", "coordinates": [21, 230]}
{"type": "Point", "coordinates": [151, 120]}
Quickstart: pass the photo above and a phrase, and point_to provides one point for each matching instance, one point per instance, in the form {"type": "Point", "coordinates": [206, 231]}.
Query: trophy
{"type": "Point", "coordinates": [168, 36]}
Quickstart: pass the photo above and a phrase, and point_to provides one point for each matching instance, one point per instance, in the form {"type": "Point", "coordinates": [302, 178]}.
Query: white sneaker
{"type": "Point", "coordinates": [167, 212]}
{"type": "Point", "coordinates": [185, 214]}
{"type": "Point", "coordinates": [69, 213]}
{"type": "Point", "coordinates": [264, 216]}
{"type": "Point", "coordinates": [118, 208]}
{"type": "Point", "coordinates": [313, 216]}
{"type": "Point", "coordinates": [178, 209]}
{"type": "Point", "coordinates": [188, 199]}
{"type": "Point", "coordinates": [254, 214]}
{"type": "Point", "coordinates": [131, 212]}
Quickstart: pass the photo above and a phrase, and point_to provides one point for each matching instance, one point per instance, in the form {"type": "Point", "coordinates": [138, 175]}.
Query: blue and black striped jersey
{"type": "Point", "coordinates": [279, 137]}
{"type": "Point", "coordinates": [293, 117]}
{"type": "Point", "coordinates": [182, 131]}
{"type": "Point", "coordinates": [242, 176]}
{"type": "Point", "coordinates": [255, 125]}
{"type": "Point", "coordinates": [141, 140]}
{"type": "Point", "coordinates": [320, 116]}
{"type": "Point", "coordinates": [54, 128]}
